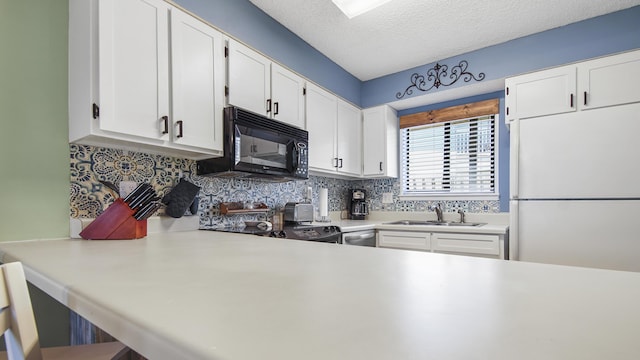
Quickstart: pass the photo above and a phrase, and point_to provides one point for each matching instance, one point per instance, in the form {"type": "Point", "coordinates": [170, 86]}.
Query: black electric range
{"type": "Point", "coordinates": [320, 233]}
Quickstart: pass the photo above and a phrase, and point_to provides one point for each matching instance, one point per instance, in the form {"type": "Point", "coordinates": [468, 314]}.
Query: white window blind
{"type": "Point", "coordinates": [454, 157]}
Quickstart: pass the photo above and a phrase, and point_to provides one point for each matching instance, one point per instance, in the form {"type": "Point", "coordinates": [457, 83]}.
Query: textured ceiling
{"type": "Point", "coordinates": [403, 34]}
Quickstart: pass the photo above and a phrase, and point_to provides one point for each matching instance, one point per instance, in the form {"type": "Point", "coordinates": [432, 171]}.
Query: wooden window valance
{"type": "Point", "coordinates": [477, 109]}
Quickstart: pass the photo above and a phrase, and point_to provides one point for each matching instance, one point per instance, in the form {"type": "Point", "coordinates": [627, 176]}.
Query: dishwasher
{"type": "Point", "coordinates": [360, 238]}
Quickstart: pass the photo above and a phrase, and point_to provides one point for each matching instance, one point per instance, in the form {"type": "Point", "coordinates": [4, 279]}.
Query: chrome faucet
{"type": "Point", "coordinates": [461, 212]}
{"type": "Point", "coordinates": [438, 209]}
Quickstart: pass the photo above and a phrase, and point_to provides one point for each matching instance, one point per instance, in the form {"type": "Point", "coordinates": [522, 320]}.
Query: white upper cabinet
{"type": "Point", "coordinates": [349, 146]}
{"type": "Point", "coordinates": [133, 66]}
{"type": "Point", "coordinates": [287, 96]}
{"type": "Point", "coordinates": [128, 88]}
{"type": "Point", "coordinates": [380, 142]}
{"type": "Point", "coordinates": [198, 82]}
{"type": "Point", "coordinates": [335, 134]}
{"type": "Point", "coordinates": [259, 85]}
{"type": "Point", "coordinates": [542, 93]}
{"type": "Point", "coordinates": [249, 79]}
{"type": "Point", "coordinates": [322, 119]}
{"type": "Point", "coordinates": [609, 81]}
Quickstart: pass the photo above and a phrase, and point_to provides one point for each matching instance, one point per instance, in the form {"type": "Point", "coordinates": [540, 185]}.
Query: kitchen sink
{"type": "Point", "coordinates": [453, 223]}
{"type": "Point", "coordinates": [433, 222]}
{"type": "Point", "coordinates": [417, 222]}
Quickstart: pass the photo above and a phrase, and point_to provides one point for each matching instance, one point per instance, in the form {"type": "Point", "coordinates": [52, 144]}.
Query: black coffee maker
{"type": "Point", "coordinates": [357, 204]}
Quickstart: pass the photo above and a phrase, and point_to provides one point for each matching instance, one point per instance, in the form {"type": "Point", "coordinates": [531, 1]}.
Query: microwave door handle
{"type": "Point", "coordinates": [295, 158]}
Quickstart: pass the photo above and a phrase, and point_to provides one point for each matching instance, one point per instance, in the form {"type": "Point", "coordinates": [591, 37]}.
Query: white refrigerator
{"type": "Point", "coordinates": [575, 188]}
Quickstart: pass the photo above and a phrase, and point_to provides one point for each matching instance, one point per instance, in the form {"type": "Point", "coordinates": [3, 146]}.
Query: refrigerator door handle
{"type": "Point", "coordinates": [514, 159]}
{"type": "Point", "coordinates": [513, 230]}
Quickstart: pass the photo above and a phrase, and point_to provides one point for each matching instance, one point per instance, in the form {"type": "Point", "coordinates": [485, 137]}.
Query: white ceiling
{"type": "Point", "coordinates": [403, 34]}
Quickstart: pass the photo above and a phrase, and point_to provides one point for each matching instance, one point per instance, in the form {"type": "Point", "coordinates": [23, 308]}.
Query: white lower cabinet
{"type": "Point", "coordinates": [404, 240]}
{"type": "Point", "coordinates": [483, 245]}
{"type": "Point", "coordinates": [477, 244]}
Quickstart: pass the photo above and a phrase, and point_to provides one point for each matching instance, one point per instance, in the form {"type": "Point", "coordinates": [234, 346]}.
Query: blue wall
{"type": "Point", "coordinates": [599, 36]}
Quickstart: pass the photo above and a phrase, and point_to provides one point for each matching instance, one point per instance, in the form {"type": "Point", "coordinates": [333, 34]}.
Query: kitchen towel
{"type": "Point", "coordinates": [180, 198]}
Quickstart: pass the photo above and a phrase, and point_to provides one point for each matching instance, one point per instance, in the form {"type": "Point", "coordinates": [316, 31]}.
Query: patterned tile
{"type": "Point", "coordinates": [88, 197]}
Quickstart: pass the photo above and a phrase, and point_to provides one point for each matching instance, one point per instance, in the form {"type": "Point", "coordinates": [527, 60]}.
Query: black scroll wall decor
{"type": "Point", "coordinates": [439, 75]}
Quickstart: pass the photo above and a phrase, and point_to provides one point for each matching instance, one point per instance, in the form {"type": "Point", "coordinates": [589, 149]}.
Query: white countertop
{"type": "Point", "coordinates": [214, 295]}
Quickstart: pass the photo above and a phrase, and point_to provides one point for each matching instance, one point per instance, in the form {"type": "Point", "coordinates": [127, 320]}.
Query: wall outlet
{"type": "Point", "coordinates": [387, 198]}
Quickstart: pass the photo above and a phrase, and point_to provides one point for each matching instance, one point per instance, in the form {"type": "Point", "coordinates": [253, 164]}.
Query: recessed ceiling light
{"type": "Point", "coordinates": [353, 8]}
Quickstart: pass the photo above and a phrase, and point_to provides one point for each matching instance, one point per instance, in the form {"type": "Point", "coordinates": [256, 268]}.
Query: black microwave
{"type": "Point", "coordinates": [258, 147]}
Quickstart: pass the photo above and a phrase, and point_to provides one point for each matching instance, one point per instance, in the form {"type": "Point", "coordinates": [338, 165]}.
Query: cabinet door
{"type": "Point", "coordinates": [287, 96]}
{"type": "Point", "coordinates": [542, 93]}
{"type": "Point", "coordinates": [373, 141]}
{"type": "Point", "coordinates": [608, 81]}
{"type": "Point", "coordinates": [134, 66]}
{"type": "Point", "coordinates": [349, 139]}
{"type": "Point", "coordinates": [380, 142]}
{"type": "Point", "coordinates": [479, 244]}
{"type": "Point", "coordinates": [322, 116]}
{"type": "Point", "coordinates": [404, 240]}
{"type": "Point", "coordinates": [249, 79]}
{"type": "Point", "coordinates": [197, 73]}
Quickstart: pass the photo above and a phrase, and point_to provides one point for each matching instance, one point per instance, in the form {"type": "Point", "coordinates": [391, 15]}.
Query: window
{"type": "Point", "coordinates": [450, 157]}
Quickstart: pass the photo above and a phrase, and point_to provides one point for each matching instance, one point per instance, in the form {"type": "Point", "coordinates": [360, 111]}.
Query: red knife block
{"type": "Point", "coordinates": [116, 223]}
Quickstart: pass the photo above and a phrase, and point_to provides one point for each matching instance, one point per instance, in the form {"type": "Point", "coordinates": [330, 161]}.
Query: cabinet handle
{"type": "Point", "coordinates": [268, 106]}
{"type": "Point", "coordinates": [340, 162]}
{"type": "Point", "coordinates": [336, 165]}
{"type": "Point", "coordinates": [585, 98]}
{"type": "Point", "coordinates": [96, 111]}
{"type": "Point", "coordinates": [165, 120]}
{"type": "Point", "coordinates": [507, 110]}
{"type": "Point", "coordinates": [380, 165]}
{"type": "Point", "coordinates": [571, 100]}
{"type": "Point", "coordinates": [275, 108]}
{"type": "Point", "coordinates": [179, 123]}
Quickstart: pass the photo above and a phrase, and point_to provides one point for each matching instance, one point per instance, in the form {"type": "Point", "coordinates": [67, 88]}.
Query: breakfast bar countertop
{"type": "Point", "coordinates": [213, 295]}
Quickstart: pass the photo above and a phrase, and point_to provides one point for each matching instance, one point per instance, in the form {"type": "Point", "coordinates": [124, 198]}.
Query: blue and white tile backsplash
{"type": "Point", "coordinates": [89, 197]}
